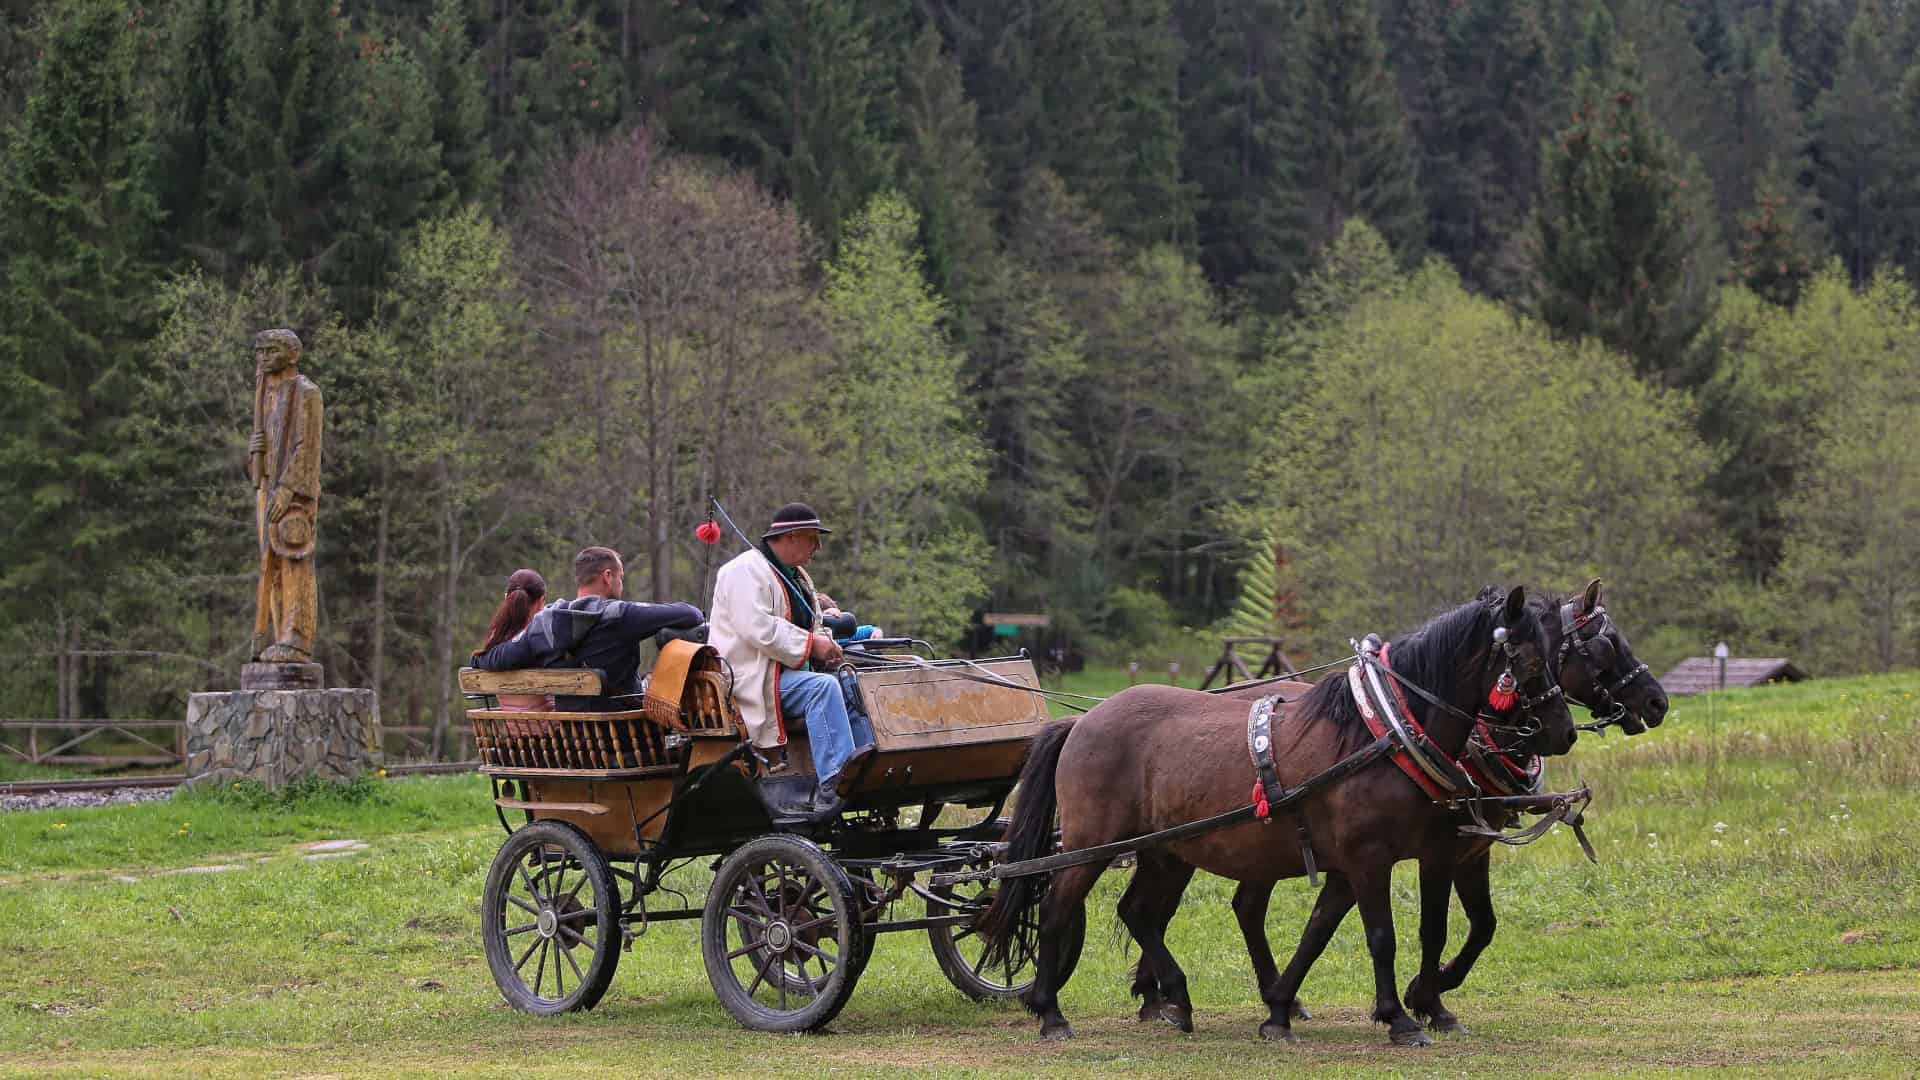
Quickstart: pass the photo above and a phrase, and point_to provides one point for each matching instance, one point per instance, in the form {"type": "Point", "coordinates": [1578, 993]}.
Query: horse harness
{"type": "Point", "coordinates": [1464, 784]}
{"type": "Point", "coordinates": [1572, 622]}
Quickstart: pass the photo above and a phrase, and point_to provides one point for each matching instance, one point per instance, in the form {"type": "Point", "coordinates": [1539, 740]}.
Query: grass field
{"type": "Point", "coordinates": [1754, 911]}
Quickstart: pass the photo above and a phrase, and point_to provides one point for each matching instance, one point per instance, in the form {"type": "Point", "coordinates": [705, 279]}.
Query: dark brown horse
{"type": "Point", "coordinates": [1597, 669]}
{"type": "Point", "coordinates": [1151, 758]}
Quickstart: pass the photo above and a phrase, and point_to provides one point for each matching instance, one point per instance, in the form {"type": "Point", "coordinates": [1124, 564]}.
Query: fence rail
{"type": "Point", "coordinates": [63, 742]}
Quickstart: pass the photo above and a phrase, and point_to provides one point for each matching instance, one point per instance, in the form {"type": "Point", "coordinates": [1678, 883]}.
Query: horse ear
{"type": "Point", "coordinates": [1591, 597]}
{"type": "Point", "coordinates": [1516, 603]}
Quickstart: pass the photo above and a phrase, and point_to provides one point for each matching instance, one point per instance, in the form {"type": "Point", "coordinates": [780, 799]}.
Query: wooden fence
{"type": "Point", "coordinates": [76, 742]}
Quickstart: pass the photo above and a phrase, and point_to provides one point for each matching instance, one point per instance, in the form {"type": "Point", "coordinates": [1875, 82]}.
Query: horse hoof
{"type": "Point", "coordinates": [1448, 1025]}
{"type": "Point", "coordinates": [1300, 1012]}
{"type": "Point", "coordinates": [1415, 1037]}
{"type": "Point", "coordinates": [1150, 1011]}
{"type": "Point", "coordinates": [1056, 1032]}
{"type": "Point", "coordinates": [1273, 1032]}
{"type": "Point", "coordinates": [1179, 1016]}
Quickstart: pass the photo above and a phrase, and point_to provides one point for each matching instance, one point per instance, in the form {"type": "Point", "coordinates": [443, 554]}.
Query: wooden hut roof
{"type": "Point", "coordinates": [1700, 674]}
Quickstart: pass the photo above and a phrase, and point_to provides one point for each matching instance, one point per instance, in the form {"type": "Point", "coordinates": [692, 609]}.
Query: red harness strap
{"type": "Point", "coordinates": [1378, 725]}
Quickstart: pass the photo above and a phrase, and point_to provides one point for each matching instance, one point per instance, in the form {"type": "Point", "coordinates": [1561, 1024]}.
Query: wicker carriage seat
{"type": "Point", "coordinates": [686, 697]}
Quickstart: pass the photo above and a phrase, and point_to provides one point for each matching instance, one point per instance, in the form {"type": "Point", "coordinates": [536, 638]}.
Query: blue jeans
{"type": "Point", "coordinates": [830, 733]}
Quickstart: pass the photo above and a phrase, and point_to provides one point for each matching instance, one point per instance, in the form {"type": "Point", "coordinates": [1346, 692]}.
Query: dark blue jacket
{"type": "Point", "coordinates": [590, 632]}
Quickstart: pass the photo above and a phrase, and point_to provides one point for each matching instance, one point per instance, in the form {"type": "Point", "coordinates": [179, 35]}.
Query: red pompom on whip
{"type": "Point", "coordinates": [1502, 696]}
{"type": "Point", "coordinates": [707, 532]}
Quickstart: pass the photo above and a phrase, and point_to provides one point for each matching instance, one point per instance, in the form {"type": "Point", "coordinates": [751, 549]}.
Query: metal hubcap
{"type": "Point", "coordinates": [779, 936]}
{"type": "Point", "coordinates": [549, 922]}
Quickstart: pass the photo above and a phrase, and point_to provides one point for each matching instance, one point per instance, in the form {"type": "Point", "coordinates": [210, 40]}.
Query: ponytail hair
{"type": "Point", "coordinates": [525, 590]}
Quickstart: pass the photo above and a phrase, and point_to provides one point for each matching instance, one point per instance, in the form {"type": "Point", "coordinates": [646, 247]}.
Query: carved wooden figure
{"type": "Point", "coordinates": [283, 460]}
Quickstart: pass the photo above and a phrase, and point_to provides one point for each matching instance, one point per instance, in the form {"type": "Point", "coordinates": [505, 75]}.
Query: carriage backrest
{"type": "Point", "coordinates": [573, 682]}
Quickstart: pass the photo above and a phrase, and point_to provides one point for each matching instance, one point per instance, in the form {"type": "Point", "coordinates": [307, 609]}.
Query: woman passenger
{"type": "Point", "coordinates": [525, 590]}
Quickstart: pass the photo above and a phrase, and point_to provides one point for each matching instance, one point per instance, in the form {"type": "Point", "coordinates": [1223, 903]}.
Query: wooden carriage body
{"type": "Point", "coordinates": [673, 778]}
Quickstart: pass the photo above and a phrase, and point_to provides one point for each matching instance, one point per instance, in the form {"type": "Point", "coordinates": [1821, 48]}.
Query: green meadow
{"type": "Point", "coordinates": [1754, 910]}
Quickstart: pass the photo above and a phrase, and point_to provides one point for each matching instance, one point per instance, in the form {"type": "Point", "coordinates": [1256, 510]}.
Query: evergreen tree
{"type": "Point", "coordinates": [553, 80]}
{"type": "Point", "coordinates": [1617, 244]}
{"type": "Point", "coordinates": [1233, 82]}
{"type": "Point", "coordinates": [1504, 72]}
{"type": "Point", "coordinates": [1422, 45]}
{"type": "Point", "coordinates": [1773, 258]}
{"type": "Point", "coordinates": [1758, 124]}
{"type": "Point", "coordinates": [255, 137]}
{"type": "Point", "coordinates": [393, 177]}
{"type": "Point", "coordinates": [459, 95]}
{"type": "Point", "coordinates": [1812, 34]}
{"type": "Point", "coordinates": [1851, 153]}
{"type": "Point", "coordinates": [1087, 90]}
{"type": "Point", "coordinates": [945, 175]}
{"type": "Point", "coordinates": [1349, 151]}
{"type": "Point", "coordinates": [78, 216]}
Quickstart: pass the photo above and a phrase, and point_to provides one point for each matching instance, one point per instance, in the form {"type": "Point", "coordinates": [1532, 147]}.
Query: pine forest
{"type": "Point", "coordinates": [1165, 318]}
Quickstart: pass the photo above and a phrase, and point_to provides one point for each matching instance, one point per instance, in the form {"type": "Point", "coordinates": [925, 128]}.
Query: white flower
{"type": "Point", "coordinates": [1720, 826]}
{"type": "Point", "coordinates": [1653, 836]}
{"type": "Point", "coordinates": [1783, 830]}
{"type": "Point", "coordinates": [1714, 843]}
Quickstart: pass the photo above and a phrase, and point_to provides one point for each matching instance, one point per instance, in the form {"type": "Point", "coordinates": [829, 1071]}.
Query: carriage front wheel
{"type": "Point", "coordinates": [781, 935]}
{"type": "Point", "coordinates": [550, 918]}
{"type": "Point", "coordinates": [961, 952]}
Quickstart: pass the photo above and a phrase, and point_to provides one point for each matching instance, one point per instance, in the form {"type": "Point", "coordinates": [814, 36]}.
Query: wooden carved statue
{"type": "Point", "coordinates": [283, 460]}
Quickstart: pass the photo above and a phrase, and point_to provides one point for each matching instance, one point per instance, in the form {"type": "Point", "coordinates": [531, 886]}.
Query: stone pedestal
{"type": "Point", "coordinates": [278, 736]}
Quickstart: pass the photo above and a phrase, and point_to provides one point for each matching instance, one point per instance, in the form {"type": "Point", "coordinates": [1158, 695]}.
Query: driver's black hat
{"type": "Point", "coordinates": [792, 518]}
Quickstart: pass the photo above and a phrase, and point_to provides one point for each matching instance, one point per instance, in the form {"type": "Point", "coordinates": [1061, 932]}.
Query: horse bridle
{"type": "Point", "coordinates": [1572, 622]}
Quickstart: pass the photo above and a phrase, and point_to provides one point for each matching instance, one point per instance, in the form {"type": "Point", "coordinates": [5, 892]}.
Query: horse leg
{"type": "Point", "coordinates": [1147, 918]}
{"type": "Point", "coordinates": [1250, 909]}
{"type": "Point", "coordinates": [1374, 895]}
{"type": "Point", "coordinates": [1146, 981]}
{"type": "Point", "coordinates": [1335, 900]}
{"type": "Point", "coordinates": [1472, 880]}
{"type": "Point", "coordinates": [1065, 901]}
{"type": "Point", "coordinates": [1436, 894]}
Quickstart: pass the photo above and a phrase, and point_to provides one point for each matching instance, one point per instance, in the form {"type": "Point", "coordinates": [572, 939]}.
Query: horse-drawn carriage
{"type": "Point", "coordinates": [600, 806]}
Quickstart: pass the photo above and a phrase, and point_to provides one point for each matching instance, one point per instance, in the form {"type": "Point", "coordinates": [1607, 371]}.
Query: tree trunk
{"type": "Point", "coordinates": [379, 664]}
{"type": "Point", "coordinates": [449, 579]}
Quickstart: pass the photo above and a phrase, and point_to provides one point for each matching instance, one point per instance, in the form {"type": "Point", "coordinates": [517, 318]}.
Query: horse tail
{"type": "Point", "coordinates": [1029, 837]}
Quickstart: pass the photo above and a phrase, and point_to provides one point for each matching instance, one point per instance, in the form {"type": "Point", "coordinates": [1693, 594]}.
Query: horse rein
{"type": "Point", "coordinates": [1573, 641]}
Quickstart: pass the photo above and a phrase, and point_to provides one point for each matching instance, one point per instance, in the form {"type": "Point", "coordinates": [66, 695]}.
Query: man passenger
{"type": "Point", "coordinates": [767, 626]}
{"type": "Point", "coordinates": [596, 629]}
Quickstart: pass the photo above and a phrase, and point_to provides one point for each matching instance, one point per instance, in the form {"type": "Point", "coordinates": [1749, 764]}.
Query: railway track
{"type": "Point", "coordinates": [114, 783]}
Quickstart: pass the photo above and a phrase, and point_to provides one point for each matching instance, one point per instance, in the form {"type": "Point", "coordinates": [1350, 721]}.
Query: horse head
{"type": "Point", "coordinates": [1597, 665]}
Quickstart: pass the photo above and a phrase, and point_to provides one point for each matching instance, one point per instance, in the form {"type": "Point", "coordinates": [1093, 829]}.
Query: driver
{"type": "Point", "coordinates": [766, 624]}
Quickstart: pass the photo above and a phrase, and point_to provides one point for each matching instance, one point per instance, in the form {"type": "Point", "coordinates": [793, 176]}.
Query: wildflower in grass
{"type": "Point", "coordinates": [1719, 826]}
{"type": "Point", "coordinates": [1783, 830]}
{"type": "Point", "coordinates": [1713, 843]}
{"type": "Point", "coordinates": [380, 773]}
{"type": "Point", "coordinates": [59, 824]}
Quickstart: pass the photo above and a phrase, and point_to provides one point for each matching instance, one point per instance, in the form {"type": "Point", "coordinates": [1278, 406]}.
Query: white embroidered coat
{"type": "Point", "coordinates": [750, 624]}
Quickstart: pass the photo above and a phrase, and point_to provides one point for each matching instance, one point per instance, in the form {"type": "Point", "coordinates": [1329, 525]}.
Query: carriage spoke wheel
{"type": "Point", "coordinates": [781, 935]}
{"type": "Point", "coordinates": [961, 952]}
{"type": "Point", "coordinates": [550, 919]}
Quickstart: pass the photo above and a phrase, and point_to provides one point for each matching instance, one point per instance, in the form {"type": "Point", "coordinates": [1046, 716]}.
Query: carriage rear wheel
{"type": "Point", "coordinates": [550, 918]}
{"type": "Point", "coordinates": [961, 953]}
{"type": "Point", "coordinates": [781, 935]}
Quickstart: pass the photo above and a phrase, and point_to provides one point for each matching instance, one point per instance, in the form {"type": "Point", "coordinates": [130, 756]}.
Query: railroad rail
{"type": "Point", "coordinates": [113, 783]}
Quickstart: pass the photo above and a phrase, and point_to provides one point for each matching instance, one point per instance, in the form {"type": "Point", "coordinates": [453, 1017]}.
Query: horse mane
{"type": "Point", "coordinates": [1430, 657]}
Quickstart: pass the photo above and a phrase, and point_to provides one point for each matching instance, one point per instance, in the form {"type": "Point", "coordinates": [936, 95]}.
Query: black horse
{"type": "Point", "coordinates": [1151, 758]}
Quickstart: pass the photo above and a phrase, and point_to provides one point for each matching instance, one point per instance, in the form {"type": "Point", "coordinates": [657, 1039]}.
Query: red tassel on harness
{"type": "Point", "coordinates": [1260, 807]}
{"type": "Point", "coordinates": [1502, 695]}
{"type": "Point", "coordinates": [707, 532]}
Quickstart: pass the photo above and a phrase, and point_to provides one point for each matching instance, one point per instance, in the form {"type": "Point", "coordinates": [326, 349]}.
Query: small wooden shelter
{"type": "Point", "coordinates": [1701, 674]}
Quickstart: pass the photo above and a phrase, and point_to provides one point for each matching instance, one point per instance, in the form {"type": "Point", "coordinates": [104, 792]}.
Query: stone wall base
{"type": "Point", "coordinates": [276, 737]}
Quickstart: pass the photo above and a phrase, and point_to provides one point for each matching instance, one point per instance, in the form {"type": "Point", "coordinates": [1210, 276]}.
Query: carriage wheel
{"type": "Point", "coordinates": [961, 952]}
{"type": "Point", "coordinates": [781, 935]}
{"type": "Point", "coordinates": [550, 918]}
